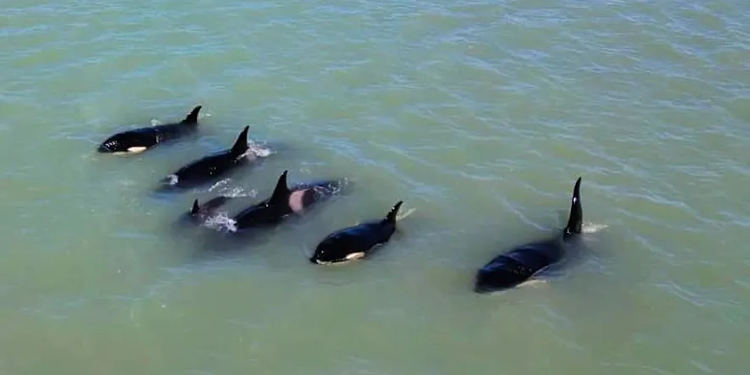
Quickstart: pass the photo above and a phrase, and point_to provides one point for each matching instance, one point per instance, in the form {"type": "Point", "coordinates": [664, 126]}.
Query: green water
{"type": "Point", "coordinates": [480, 115]}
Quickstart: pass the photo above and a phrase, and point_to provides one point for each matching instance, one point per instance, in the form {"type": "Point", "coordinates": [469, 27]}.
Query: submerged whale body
{"type": "Point", "coordinates": [199, 213]}
{"type": "Point", "coordinates": [210, 168]}
{"type": "Point", "coordinates": [139, 140]}
{"type": "Point", "coordinates": [521, 263]}
{"type": "Point", "coordinates": [356, 242]}
{"type": "Point", "coordinates": [284, 202]}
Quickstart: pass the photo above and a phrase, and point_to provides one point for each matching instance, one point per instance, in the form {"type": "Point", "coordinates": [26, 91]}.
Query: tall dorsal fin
{"type": "Point", "coordinates": [240, 145]}
{"type": "Point", "coordinates": [192, 118]}
{"type": "Point", "coordinates": [281, 191]}
{"type": "Point", "coordinates": [391, 217]}
{"type": "Point", "coordinates": [575, 220]}
{"type": "Point", "coordinates": [195, 208]}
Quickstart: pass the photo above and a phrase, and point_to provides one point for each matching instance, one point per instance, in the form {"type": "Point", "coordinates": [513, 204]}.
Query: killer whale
{"type": "Point", "coordinates": [521, 263]}
{"type": "Point", "coordinates": [139, 140]}
{"type": "Point", "coordinates": [357, 241]}
{"type": "Point", "coordinates": [209, 168]}
{"type": "Point", "coordinates": [200, 212]}
{"type": "Point", "coordinates": [283, 202]}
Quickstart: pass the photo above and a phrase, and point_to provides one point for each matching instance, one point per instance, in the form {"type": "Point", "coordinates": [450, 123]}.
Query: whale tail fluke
{"type": "Point", "coordinates": [240, 145]}
{"type": "Point", "coordinates": [576, 212]}
{"type": "Point", "coordinates": [391, 217]}
{"type": "Point", "coordinates": [192, 118]}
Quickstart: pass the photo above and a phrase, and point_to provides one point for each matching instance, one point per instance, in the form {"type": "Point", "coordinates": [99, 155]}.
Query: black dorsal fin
{"type": "Point", "coordinates": [281, 191]}
{"type": "Point", "coordinates": [196, 208]}
{"type": "Point", "coordinates": [575, 221]}
{"type": "Point", "coordinates": [391, 217]}
{"type": "Point", "coordinates": [240, 145]}
{"type": "Point", "coordinates": [192, 118]}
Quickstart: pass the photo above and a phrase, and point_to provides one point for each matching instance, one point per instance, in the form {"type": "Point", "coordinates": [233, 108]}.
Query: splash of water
{"type": "Point", "coordinates": [237, 192]}
{"type": "Point", "coordinates": [172, 179]}
{"type": "Point", "coordinates": [330, 189]}
{"type": "Point", "coordinates": [219, 184]}
{"type": "Point", "coordinates": [257, 150]}
{"type": "Point", "coordinates": [593, 227]}
{"type": "Point", "coordinates": [222, 187]}
{"type": "Point", "coordinates": [406, 214]}
{"type": "Point", "coordinates": [221, 222]}
{"type": "Point", "coordinates": [533, 283]}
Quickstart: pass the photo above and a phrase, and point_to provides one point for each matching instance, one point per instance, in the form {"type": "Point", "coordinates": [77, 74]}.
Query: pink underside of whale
{"type": "Point", "coordinates": [295, 200]}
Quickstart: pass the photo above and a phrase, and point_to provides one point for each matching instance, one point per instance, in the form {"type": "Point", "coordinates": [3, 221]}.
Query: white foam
{"type": "Point", "coordinates": [219, 184]}
{"type": "Point", "coordinates": [155, 122]}
{"type": "Point", "coordinates": [593, 227]}
{"type": "Point", "coordinates": [173, 179]}
{"type": "Point", "coordinates": [258, 151]}
{"type": "Point", "coordinates": [240, 192]}
{"type": "Point", "coordinates": [406, 214]}
{"type": "Point", "coordinates": [334, 189]}
{"type": "Point", "coordinates": [221, 222]}
{"type": "Point", "coordinates": [222, 187]}
{"type": "Point", "coordinates": [533, 283]}
{"type": "Point", "coordinates": [335, 264]}
{"type": "Point", "coordinates": [255, 150]}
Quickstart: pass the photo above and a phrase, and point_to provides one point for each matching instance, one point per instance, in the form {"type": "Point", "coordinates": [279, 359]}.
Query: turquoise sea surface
{"type": "Point", "coordinates": [480, 115]}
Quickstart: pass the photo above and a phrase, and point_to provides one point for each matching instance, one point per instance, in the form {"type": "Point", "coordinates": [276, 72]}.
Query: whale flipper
{"type": "Point", "coordinates": [391, 217]}
{"type": "Point", "coordinates": [280, 192]}
{"type": "Point", "coordinates": [192, 118]}
{"type": "Point", "coordinates": [576, 212]}
{"type": "Point", "coordinates": [240, 145]}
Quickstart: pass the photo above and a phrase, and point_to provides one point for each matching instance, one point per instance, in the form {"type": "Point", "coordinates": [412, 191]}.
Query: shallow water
{"type": "Point", "coordinates": [480, 115]}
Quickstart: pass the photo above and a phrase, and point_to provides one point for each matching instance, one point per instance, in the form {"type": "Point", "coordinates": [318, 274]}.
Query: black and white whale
{"type": "Point", "coordinates": [210, 168]}
{"type": "Point", "coordinates": [139, 140]}
{"type": "Point", "coordinates": [521, 263]}
{"type": "Point", "coordinates": [283, 202]}
{"type": "Point", "coordinates": [356, 242]}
